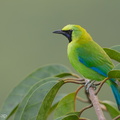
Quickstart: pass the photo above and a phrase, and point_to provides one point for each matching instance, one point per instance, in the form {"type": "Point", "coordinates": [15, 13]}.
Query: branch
{"type": "Point", "coordinates": [92, 96]}
{"type": "Point", "coordinates": [94, 100]}
{"type": "Point", "coordinates": [116, 118]}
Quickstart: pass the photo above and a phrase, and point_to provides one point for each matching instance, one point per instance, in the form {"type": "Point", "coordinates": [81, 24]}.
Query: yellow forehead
{"type": "Point", "coordinates": [71, 27]}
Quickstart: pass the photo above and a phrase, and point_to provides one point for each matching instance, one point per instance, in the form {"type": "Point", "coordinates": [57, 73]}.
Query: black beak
{"type": "Point", "coordinates": [66, 33]}
{"type": "Point", "coordinates": [59, 32]}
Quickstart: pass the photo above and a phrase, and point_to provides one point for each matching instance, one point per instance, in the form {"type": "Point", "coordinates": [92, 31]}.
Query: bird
{"type": "Point", "coordinates": [88, 58]}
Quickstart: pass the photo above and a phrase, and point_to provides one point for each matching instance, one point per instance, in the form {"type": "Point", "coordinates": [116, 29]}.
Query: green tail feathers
{"type": "Point", "coordinates": [116, 92]}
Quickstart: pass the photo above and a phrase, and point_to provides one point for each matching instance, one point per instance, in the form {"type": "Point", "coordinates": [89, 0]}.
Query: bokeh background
{"type": "Point", "coordinates": [27, 42]}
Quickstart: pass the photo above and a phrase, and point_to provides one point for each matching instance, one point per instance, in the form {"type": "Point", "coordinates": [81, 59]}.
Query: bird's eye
{"type": "Point", "coordinates": [68, 32]}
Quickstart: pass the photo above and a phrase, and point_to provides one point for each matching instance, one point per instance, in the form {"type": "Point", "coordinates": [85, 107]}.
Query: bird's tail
{"type": "Point", "coordinates": [116, 91]}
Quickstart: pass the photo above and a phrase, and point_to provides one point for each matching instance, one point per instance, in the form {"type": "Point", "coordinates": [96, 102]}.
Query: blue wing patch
{"type": "Point", "coordinates": [98, 71]}
{"type": "Point", "coordinates": [93, 68]}
{"type": "Point", "coordinates": [82, 61]}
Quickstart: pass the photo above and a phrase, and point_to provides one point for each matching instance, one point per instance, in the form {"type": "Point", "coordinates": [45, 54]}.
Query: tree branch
{"type": "Point", "coordinates": [116, 118]}
{"type": "Point", "coordinates": [91, 96]}
{"type": "Point", "coordinates": [94, 100]}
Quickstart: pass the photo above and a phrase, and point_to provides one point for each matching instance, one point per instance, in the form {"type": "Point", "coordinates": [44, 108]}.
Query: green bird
{"type": "Point", "coordinates": [88, 58]}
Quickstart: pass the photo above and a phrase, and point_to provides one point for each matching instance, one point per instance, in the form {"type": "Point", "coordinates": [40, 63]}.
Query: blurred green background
{"type": "Point", "coordinates": [27, 42]}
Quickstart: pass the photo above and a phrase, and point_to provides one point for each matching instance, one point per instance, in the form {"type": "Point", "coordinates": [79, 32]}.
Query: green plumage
{"type": "Point", "coordinates": [88, 58]}
{"type": "Point", "coordinates": [92, 55]}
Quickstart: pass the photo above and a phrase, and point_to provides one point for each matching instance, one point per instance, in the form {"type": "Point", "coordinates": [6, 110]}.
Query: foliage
{"type": "Point", "coordinates": [35, 98]}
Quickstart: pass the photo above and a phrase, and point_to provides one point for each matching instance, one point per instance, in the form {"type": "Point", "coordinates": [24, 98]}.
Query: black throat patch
{"type": "Point", "coordinates": [68, 34]}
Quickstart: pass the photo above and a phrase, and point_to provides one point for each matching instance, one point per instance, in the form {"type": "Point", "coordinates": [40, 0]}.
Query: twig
{"type": "Point", "coordinates": [92, 97]}
{"type": "Point", "coordinates": [73, 80]}
{"type": "Point", "coordinates": [101, 84]}
{"type": "Point", "coordinates": [79, 89]}
{"type": "Point", "coordinates": [85, 108]}
{"type": "Point", "coordinates": [76, 92]}
{"type": "Point", "coordinates": [95, 102]}
{"type": "Point", "coordinates": [82, 99]}
{"type": "Point", "coordinates": [75, 75]}
{"type": "Point", "coordinates": [116, 118]}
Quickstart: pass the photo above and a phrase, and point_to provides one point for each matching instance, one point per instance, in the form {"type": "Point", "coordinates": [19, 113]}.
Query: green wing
{"type": "Point", "coordinates": [94, 57]}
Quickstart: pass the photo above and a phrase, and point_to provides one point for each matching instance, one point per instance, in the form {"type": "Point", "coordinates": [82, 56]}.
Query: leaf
{"type": "Point", "coordinates": [23, 104]}
{"type": "Point", "coordinates": [40, 101]}
{"type": "Point", "coordinates": [19, 92]}
{"type": "Point", "coordinates": [113, 111]}
{"type": "Point", "coordinates": [84, 119]}
{"type": "Point", "coordinates": [74, 113]}
{"type": "Point", "coordinates": [116, 47]}
{"type": "Point", "coordinates": [66, 105]}
{"type": "Point", "coordinates": [115, 73]}
{"type": "Point", "coordinates": [113, 54]}
{"type": "Point", "coordinates": [47, 102]}
{"type": "Point", "coordinates": [68, 117]}
{"type": "Point", "coordinates": [56, 101]}
{"type": "Point", "coordinates": [64, 75]}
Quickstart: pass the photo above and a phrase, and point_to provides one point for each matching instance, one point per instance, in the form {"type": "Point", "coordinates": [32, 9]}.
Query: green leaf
{"type": "Point", "coordinates": [19, 92]}
{"type": "Point", "coordinates": [115, 73]}
{"type": "Point", "coordinates": [116, 47]}
{"type": "Point", "coordinates": [47, 102]}
{"type": "Point", "coordinates": [56, 101]}
{"type": "Point", "coordinates": [68, 117]}
{"type": "Point", "coordinates": [84, 119]}
{"type": "Point", "coordinates": [23, 104]}
{"type": "Point", "coordinates": [64, 75]}
{"type": "Point", "coordinates": [113, 54]}
{"type": "Point", "coordinates": [40, 101]}
{"type": "Point", "coordinates": [66, 105]}
{"type": "Point", "coordinates": [113, 111]}
{"type": "Point", "coordinates": [74, 113]}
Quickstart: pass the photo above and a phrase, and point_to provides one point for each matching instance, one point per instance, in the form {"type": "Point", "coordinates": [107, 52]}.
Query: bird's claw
{"type": "Point", "coordinates": [88, 85]}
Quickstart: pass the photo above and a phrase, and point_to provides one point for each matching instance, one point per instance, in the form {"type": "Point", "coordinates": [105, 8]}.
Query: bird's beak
{"type": "Point", "coordinates": [59, 32]}
{"type": "Point", "coordinates": [65, 33]}
{"type": "Point", "coordinates": [62, 32]}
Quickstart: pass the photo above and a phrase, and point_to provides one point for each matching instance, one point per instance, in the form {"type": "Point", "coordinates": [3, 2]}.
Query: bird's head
{"type": "Point", "coordinates": [72, 32]}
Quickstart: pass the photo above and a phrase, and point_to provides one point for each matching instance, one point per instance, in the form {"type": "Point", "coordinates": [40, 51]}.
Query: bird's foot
{"type": "Point", "coordinates": [88, 85]}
